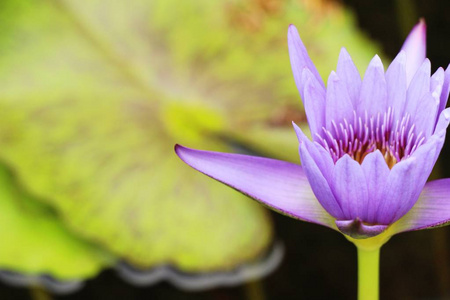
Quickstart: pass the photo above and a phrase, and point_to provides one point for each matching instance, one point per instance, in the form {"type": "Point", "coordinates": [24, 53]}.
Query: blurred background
{"type": "Point", "coordinates": [93, 96]}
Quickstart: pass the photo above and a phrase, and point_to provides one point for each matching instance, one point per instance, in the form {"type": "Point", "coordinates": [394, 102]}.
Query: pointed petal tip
{"type": "Point", "coordinates": [292, 31]}
{"type": "Point", "coordinates": [177, 148]}
{"type": "Point", "coordinates": [419, 30]}
{"type": "Point", "coordinates": [333, 77]}
{"type": "Point", "coordinates": [182, 151]}
{"type": "Point", "coordinates": [376, 61]}
{"type": "Point", "coordinates": [446, 114]}
{"type": "Point", "coordinates": [299, 132]}
{"type": "Point", "coordinates": [422, 25]}
{"type": "Point", "coordinates": [415, 48]}
{"type": "Point", "coordinates": [306, 74]}
{"type": "Point", "coordinates": [343, 54]}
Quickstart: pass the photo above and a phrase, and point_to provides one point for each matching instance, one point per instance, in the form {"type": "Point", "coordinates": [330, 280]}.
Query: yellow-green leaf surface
{"type": "Point", "coordinates": [234, 54]}
{"type": "Point", "coordinates": [87, 133]}
{"type": "Point", "coordinates": [34, 242]}
{"type": "Point", "coordinates": [93, 95]}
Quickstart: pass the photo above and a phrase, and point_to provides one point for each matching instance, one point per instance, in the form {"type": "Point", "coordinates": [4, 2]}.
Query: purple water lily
{"type": "Point", "coordinates": [374, 144]}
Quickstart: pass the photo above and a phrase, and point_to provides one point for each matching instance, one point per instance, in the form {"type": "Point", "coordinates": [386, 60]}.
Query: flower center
{"type": "Point", "coordinates": [363, 135]}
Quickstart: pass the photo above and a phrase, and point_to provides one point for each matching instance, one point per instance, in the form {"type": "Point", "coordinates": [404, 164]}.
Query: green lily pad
{"type": "Point", "coordinates": [96, 145]}
{"type": "Point", "coordinates": [34, 242]}
{"type": "Point", "coordinates": [94, 94]}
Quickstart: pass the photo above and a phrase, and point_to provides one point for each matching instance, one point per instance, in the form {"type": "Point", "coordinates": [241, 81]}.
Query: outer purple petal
{"type": "Point", "coordinates": [443, 121]}
{"type": "Point", "coordinates": [376, 172]}
{"type": "Point", "coordinates": [313, 102]}
{"type": "Point", "coordinates": [300, 59]}
{"type": "Point", "coordinates": [321, 157]}
{"type": "Point", "coordinates": [396, 85]}
{"type": "Point", "coordinates": [431, 210]}
{"type": "Point", "coordinates": [280, 185]}
{"type": "Point", "coordinates": [319, 184]}
{"type": "Point", "coordinates": [318, 166]}
{"type": "Point", "coordinates": [420, 85]}
{"type": "Point", "coordinates": [338, 104]}
{"type": "Point", "coordinates": [445, 90]}
{"type": "Point", "coordinates": [373, 95]}
{"type": "Point", "coordinates": [406, 180]}
{"type": "Point", "coordinates": [350, 188]}
{"type": "Point", "coordinates": [425, 118]}
{"type": "Point", "coordinates": [415, 48]}
{"type": "Point", "coordinates": [437, 81]}
{"type": "Point", "coordinates": [400, 187]}
{"type": "Point", "coordinates": [436, 86]}
{"type": "Point", "coordinates": [349, 74]}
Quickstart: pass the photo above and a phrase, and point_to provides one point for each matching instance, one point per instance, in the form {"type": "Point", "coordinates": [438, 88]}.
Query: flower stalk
{"type": "Point", "coordinates": [368, 273]}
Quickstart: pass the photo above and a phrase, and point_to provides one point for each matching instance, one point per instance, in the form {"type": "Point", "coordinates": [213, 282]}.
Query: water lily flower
{"type": "Point", "coordinates": [374, 143]}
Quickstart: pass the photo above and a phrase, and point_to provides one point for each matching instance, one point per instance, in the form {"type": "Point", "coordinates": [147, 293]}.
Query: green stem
{"type": "Point", "coordinates": [368, 273]}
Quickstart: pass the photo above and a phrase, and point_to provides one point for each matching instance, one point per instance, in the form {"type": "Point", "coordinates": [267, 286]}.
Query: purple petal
{"type": "Point", "coordinates": [358, 230]}
{"type": "Point", "coordinates": [431, 210]}
{"type": "Point", "coordinates": [350, 188]}
{"type": "Point", "coordinates": [443, 121]}
{"type": "Point", "coordinates": [338, 105]}
{"type": "Point", "coordinates": [373, 96]}
{"type": "Point", "coordinates": [415, 48]}
{"type": "Point", "coordinates": [396, 85]}
{"type": "Point", "coordinates": [313, 102]}
{"type": "Point", "coordinates": [445, 90]}
{"type": "Point", "coordinates": [437, 81]}
{"type": "Point", "coordinates": [420, 85]}
{"type": "Point", "coordinates": [300, 59]}
{"type": "Point", "coordinates": [319, 184]}
{"type": "Point", "coordinates": [426, 115]}
{"type": "Point", "coordinates": [280, 185]}
{"type": "Point", "coordinates": [349, 74]}
{"type": "Point", "coordinates": [436, 85]}
{"type": "Point", "coordinates": [321, 157]}
{"type": "Point", "coordinates": [407, 178]}
{"type": "Point", "coordinates": [399, 188]}
{"type": "Point", "coordinates": [376, 172]}
{"type": "Point", "coordinates": [423, 159]}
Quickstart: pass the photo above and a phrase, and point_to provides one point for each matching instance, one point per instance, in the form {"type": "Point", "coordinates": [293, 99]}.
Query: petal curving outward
{"type": "Point", "coordinates": [396, 85]}
{"type": "Point", "coordinates": [373, 95]}
{"type": "Point", "coordinates": [300, 59]}
{"type": "Point", "coordinates": [280, 185]}
{"type": "Point", "coordinates": [431, 210]}
{"type": "Point", "coordinates": [347, 71]}
{"type": "Point", "coordinates": [415, 48]}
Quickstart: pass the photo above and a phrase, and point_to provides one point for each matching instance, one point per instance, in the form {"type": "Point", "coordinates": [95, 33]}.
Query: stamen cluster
{"type": "Point", "coordinates": [396, 140]}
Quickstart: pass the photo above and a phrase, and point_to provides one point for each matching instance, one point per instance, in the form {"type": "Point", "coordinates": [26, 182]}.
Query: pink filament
{"type": "Point", "coordinates": [396, 140]}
